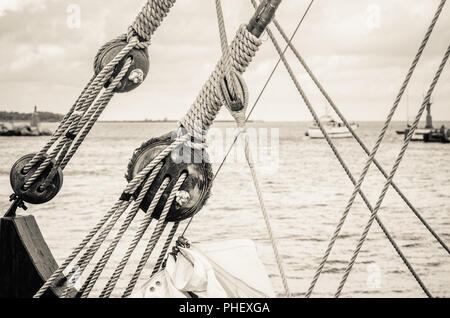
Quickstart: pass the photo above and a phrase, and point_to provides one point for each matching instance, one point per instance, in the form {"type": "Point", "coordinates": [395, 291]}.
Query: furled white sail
{"type": "Point", "coordinates": [212, 270]}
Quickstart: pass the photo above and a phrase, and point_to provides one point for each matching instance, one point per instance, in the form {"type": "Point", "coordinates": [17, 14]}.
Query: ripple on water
{"type": "Point", "coordinates": [305, 196]}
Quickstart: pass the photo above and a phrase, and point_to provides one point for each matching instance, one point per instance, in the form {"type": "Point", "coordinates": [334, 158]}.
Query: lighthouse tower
{"type": "Point", "coordinates": [35, 122]}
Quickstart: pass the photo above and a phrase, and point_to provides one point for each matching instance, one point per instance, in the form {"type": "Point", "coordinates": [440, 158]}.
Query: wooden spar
{"type": "Point", "coordinates": [25, 259]}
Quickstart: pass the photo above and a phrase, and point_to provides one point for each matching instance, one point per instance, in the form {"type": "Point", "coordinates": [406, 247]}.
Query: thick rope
{"type": "Point", "coordinates": [77, 250]}
{"type": "Point", "coordinates": [265, 214]}
{"type": "Point", "coordinates": [392, 173]}
{"type": "Point", "coordinates": [109, 287]}
{"type": "Point", "coordinates": [228, 61]}
{"type": "Point", "coordinates": [165, 248]}
{"type": "Point", "coordinates": [229, 93]}
{"type": "Point", "coordinates": [80, 115]}
{"type": "Point", "coordinates": [354, 134]}
{"type": "Point", "coordinates": [150, 18]}
{"type": "Point", "coordinates": [209, 101]}
{"type": "Point", "coordinates": [375, 149]}
{"type": "Point", "coordinates": [157, 232]}
{"type": "Point", "coordinates": [86, 258]}
{"type": "Point", "coordinates": [138, 36]}
{"type": "Point", "coordinates": [93, 277]}
{"type": "Point", "coordinates": [251, 110]}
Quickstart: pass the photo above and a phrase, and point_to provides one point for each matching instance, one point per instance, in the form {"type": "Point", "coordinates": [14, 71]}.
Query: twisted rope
{"type": "Point", "coordinates": [165, 248]}
{"type": "Point", "coordinates": [392, 173]}
{"type": "Point", "coordinates": [93, 277]}
{"type": "Point", "coordinates": [265, 214]}
{"type": "Point", "coordinates": [209, 101]}
{"type": "Point", "coordinates": [354, 134]}
{"type": "Point", "coordinates": [150, 18]}
{"type": "Point", "coordinates": [253, 107]}
{"type": "Point", "coordinates": [228, 61]}
{"type": "Point", "coordinates": [109, 287]}
{"type": "Point", "coordinates": [375, 149]}
{"type": "Point", "coordinates": [86, 258]}
{"type": "Point", "coordinates": [81, 116]}
{"type": "Point", "coordinates": [138, 36]}
{"type": "Point", "coordinates": [157, 232]}
{"type": "Point", "coordinates": [77, 250]}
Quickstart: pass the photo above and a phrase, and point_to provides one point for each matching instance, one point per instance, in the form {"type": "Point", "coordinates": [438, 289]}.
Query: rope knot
{"type": "Point", "coordinates": [141, 43]}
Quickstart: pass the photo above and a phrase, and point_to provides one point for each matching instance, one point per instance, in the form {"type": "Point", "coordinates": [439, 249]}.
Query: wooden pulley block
{"type": "Point", "coordinates": [195, 190]}
{"type": "Point", "coordinates": [36, 193]}
{"type": "Point", "coordinates": [137, 72]}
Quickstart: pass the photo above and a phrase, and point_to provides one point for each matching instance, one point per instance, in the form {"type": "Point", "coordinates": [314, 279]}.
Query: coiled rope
{"type": "Point", "coordinates": [207, 105]}
{"type": "Point", "coordinates": [239, 116]}
{"type": "Point", "coordinates": [285, 285]}
{"type": "Point", "coordinates": [85, 112]}
{"type": "Point", "coordinates": [392, 173]}
{"type": "Point", "coordinates": [375, 148]}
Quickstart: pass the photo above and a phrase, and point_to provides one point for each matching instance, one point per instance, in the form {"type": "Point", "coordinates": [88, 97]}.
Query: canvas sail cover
{"type": "Point", "coordinates": [211, 270]}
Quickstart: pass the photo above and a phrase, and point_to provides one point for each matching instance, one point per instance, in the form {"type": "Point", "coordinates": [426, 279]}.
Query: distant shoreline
{"type": "Point", "coordinates": [50, 117]}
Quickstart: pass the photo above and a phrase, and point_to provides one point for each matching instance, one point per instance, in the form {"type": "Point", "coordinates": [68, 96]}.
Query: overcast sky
{"type": "Point", "coordinates": [360, 57]}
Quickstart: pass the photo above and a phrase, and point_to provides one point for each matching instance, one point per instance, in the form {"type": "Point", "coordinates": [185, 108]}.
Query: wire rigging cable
{"type": "Point", "coordinates": [115, 66]}
{"type": "Point", "coordinates": [238, 114]}
{"type": "Point", "coordinates": [376, 146]}
{"type": "Point", "coordinates": [392, 173]}
{"type": "Point", "coordinates": [357, 138]}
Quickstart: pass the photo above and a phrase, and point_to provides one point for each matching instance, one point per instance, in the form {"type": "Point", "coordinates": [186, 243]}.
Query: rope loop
{"type": "Point", "coordinates": [150, 17]}
{"type": "Point", "coordinates": [240, 99]}
{"type": "Point", "coordinates": [209, 101]}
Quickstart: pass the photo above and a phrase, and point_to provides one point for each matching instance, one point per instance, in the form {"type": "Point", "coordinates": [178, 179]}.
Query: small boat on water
{"type": "Point", "coordinates": [334, 128]}
{"type": "Point", "coordinates": [418, 133]}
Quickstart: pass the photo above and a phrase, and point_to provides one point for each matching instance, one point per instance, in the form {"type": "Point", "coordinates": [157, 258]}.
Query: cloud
{"type": "Point", "coordinates": [17, 5]}
{"type": "Point", "coordinates": [360, 59]}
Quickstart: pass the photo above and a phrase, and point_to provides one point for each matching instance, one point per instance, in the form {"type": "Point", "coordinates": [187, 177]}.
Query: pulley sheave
{"type": "Point", "coordinates": [195, 190]}
{"type": "Point", "coordinates": [42, 190]}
